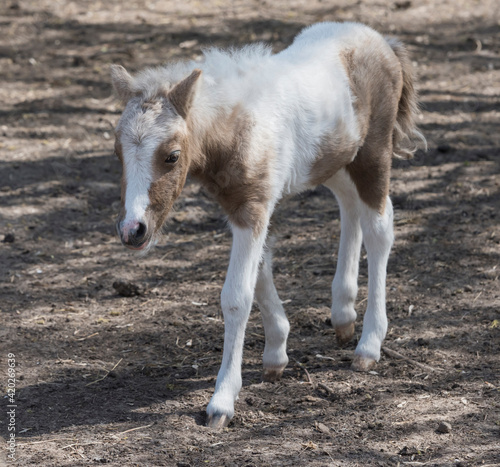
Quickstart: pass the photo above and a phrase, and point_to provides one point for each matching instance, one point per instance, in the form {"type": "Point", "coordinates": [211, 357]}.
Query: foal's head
{"type": "Point", "coordinates": [152, 145]}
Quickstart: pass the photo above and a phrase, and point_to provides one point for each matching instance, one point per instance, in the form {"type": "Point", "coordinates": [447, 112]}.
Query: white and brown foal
{"type": "Point", "coordinates": [253, 127]}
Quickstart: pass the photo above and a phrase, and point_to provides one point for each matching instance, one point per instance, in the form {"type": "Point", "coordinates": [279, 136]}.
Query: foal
{"type": "Point", "coordinates": [252, 127]}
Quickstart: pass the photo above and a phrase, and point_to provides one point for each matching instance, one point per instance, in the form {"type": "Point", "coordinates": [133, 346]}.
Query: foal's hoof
{"type": "Point", "coordinates": [218, 421]}
{"type": "Point", "coordinates": [360, 363]}
{"type": "Point", "coordinates": [344, 333]}
{"type": "Point", "coordinates": [271, 375]}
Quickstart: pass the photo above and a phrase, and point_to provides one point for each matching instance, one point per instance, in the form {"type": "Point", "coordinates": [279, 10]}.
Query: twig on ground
{"type": "Point", "coordinates": [326, 388]}
{"type": "Point", "coordinates": [82, 444]}
{"type": "Point", "coordinates": [105, 376]}
{"type": "Point", "coordinates": [491, 387]}
{"type": "Point", "coordinates": [257, 335]}
{"type": "Point", "coordinates": [394, 354]}
{"type": "Point", "coordinates": [43, 441]}
{"type": "Point", "coordinates": [87, 337]}
{"type": "Point", "coordinates": [134, 429]}
{"type": "Point", "coordinates": [477, 296]}
{"type": "Point", "coordinates": [309, 379]}
{"type": "Point", "coordinates": [323, 357]}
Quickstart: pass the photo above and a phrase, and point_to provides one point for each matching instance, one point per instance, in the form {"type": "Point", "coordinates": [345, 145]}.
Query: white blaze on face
{"type": "Point", "coordinates": [138, 173]}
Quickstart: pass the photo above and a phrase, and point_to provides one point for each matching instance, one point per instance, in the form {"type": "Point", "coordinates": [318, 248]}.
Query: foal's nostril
{"type": "Point", "coordinates": [133, 234]}
{"type": "Point", "coordinates": [141, 232]}
{"type": "Point", "coordinates": [137, 233]}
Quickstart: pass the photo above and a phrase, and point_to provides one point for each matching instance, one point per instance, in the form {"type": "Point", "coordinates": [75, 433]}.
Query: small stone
{"type": "Point", "coordinates": [444, 427]}
{"type": "Point", "coordinates": [126, 289]}
{"type": "Point", "coordinates": [402, 5]}
{"type": "Point", "coordinates": [323, 428]}
{"type": "Point", "coordinates": [188, 44]}
{"type": "Point", "coordinates": [310, 398]}
{"type": "Point", "coordinates": [78, 61]}
{"type": "Point", "coordinates": [100, 460]}
{"type": "Point", "coordinates": [9, 238]}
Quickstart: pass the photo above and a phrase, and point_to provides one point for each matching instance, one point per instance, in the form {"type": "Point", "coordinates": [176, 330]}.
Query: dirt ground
{"type": "Point", "coordinates": [107, 379]}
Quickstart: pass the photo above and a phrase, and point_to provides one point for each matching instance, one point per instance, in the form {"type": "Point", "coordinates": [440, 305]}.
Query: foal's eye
{"type": "Point", "coordinates": [173, 157]}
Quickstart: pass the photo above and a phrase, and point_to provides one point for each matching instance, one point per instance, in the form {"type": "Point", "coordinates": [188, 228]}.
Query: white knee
{"type": "Point", "coordinates": [235, 302]}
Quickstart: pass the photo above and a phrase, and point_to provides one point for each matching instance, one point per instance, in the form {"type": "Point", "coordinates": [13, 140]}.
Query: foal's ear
{"type": "Point", "coordinates": [182, 94]}
{"type": "Point", "coordinates": [122, 82]}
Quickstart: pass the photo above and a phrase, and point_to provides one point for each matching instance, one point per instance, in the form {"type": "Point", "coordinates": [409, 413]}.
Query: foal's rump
{"type": "Point", "coordinates": [379, 81]}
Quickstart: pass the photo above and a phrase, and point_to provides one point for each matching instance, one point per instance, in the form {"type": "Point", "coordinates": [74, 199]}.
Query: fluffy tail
{"type": "Point", "coordinates": [406, 138]}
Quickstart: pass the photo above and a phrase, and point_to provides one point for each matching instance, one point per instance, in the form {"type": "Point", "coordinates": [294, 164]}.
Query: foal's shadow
{"type": "Point", "coordinates": [75, 398]}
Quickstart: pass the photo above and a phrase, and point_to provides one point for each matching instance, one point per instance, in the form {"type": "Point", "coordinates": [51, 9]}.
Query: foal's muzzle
{"type": "Point", "coordinates": [133, 234]}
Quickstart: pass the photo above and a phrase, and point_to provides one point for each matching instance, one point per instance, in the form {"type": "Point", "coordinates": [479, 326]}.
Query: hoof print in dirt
{"type": "Point", "coordinates": [126, 289]}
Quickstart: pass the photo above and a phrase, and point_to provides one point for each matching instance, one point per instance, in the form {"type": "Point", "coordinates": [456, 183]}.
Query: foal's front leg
{"type": "Point", "coordinates": [236, 300]}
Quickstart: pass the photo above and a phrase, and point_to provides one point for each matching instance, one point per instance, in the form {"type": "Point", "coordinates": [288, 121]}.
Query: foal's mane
{"type": "Point", "coordinates": [220, 68]}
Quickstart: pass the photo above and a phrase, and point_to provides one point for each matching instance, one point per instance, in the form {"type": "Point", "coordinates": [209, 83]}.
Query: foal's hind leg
{"type": "Point", "coordinates": [378, 238]}
{"type": "Point", "coordinates": [370, 172]}
{"type": "Point", "coordinates": [345, 282]}
{"type": "Point", "coordinates": [276, 326]}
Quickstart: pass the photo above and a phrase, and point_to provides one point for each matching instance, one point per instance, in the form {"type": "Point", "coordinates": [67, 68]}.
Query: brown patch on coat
{"type": "Point", "coordinates": [222, 166]}
{"type": "Point", "coordinates": [168, 179]}
{"type": "Point", "coordinates": [376, 82]}
{"type": "Point", "coordinates": [361, 96]}
{"type": "Point", "coordinates": [371, 179]}
{"type": "Point", "coordinates": [335, 151]}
